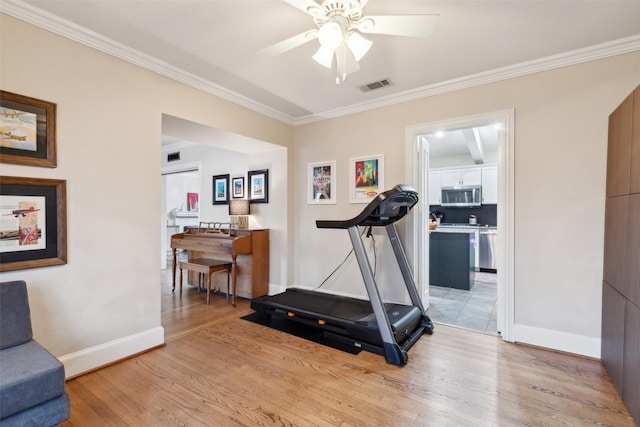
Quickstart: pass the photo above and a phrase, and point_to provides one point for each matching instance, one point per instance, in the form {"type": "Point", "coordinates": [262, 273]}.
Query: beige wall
{"type": "Point", "coordinates": [105, 302]}
{"type": "Point", "coordinates": [560, 157]}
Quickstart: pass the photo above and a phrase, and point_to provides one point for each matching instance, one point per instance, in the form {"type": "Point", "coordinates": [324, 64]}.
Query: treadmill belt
{"type": "Point", "coordinates": [331, 306]}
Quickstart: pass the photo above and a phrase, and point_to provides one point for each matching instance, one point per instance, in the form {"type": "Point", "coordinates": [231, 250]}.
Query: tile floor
{"type": "Point", "coordinates": [474, 309]}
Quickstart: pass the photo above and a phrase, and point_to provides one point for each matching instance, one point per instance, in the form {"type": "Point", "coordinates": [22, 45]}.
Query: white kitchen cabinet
{"type": "Point", "coordinates": [463, 176]}
{"type": "Point", "coordinates": [490, 185]}
{"type": "Point", "coordinates": [434, 185]}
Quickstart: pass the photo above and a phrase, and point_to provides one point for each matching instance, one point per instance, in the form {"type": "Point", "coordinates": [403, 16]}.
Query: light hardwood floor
{"type": "Point", "coordinates": [220, 370]}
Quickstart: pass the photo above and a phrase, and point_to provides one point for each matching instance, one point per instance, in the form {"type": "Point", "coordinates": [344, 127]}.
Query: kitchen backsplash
{"type": "Point", "coordinates": [486, 214]}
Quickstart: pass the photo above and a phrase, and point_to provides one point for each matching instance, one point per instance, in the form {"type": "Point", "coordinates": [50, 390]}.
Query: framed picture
{"type": "Point", "coordinates": [366, 178]}
{"type": "Point", "coordinates": [192, 202]}
{"type": "Point", "coordinates": [237, 188]}
{"type": "Point", "coordinates": [28, 130]}
{"type": "Point", "coordinates": [220, 189]}
{"type": "Point", "coordinates": [321, 182]}
{"type": "Point", "coordinates": [259, 186]}
{"type": "Point", "coordinates": [33, 223]}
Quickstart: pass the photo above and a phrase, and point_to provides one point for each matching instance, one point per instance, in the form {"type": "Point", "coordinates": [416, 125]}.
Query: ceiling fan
{"type": "Point", "coordinates": [340, 24]}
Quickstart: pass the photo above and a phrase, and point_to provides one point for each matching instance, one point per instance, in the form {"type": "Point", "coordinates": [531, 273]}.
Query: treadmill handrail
{"type": "Point", "coordinates": [402, 198]}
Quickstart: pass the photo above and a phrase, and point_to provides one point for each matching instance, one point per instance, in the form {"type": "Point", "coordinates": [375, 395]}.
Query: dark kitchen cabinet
{"type": "Point", "coordinates": [451, 260]}
{"type": "Point", "coordinates": [621, 269]}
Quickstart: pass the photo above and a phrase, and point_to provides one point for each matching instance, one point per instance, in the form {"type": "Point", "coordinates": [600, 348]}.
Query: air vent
{"type": "Point", "coordinates": [376, 85]}
{"type": "Point", "coordinates": [172, 157]}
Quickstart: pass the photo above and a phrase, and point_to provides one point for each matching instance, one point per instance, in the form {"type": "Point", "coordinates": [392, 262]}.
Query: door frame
{"type": "Point", "coordinates": [417, 230]}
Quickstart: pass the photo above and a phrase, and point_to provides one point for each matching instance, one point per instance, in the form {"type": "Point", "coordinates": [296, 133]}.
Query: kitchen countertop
{"type": "Point", "coordinates": [462, 228]}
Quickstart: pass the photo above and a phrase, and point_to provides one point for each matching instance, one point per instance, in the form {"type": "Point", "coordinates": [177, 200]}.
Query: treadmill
{"type": "Point", "coordinates": [387, 329]}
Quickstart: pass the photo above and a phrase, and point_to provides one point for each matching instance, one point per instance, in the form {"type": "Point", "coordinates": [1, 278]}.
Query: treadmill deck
{"type": "Point", "coordinates": [339, 311]}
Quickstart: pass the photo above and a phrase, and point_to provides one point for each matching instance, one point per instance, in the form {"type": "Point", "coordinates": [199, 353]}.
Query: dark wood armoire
{"type": "Point", "coordinates": [621, 275]}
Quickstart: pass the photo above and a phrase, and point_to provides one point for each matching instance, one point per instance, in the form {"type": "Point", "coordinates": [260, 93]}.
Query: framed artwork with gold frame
{"type": "Point", "coordinates": [27, 130]}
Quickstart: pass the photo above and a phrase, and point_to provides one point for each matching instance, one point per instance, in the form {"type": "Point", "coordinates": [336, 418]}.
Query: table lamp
{"type": "Point", "coordinates": [238, 213]}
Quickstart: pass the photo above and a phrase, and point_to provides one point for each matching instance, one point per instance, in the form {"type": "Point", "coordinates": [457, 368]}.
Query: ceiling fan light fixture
{"type": "Point", "coordinates": [324, 56]}
{"type": "Point", "coordinates": [358, 45]}
{"type": "Point", "coordinates": [330, 35]}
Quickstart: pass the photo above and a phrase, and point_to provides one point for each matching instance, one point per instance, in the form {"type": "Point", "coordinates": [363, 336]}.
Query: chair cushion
{"type": "Point", "coordinates": [29, 376]}
{"type": "Point", "coordinates": [15, 317]}
{"type": "Point", "coordinates": [50, 413]}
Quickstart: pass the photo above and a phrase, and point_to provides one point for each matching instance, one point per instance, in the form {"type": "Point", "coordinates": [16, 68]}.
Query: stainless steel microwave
{"type": "Point", "coordinates": [464, 196]}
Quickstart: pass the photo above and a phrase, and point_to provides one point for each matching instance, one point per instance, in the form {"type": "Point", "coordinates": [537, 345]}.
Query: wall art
{"type": "Point", "coordinates": [259, 186]}
{"type": "Point", "coordinates": [27, 130]}
{"type": "Point", "coordinates": [237, 187]}
{"type": "Point", "coordinates": [321, 183]}
{"type": "Point", "coordinates": [33, 220]}
{"type": "Point", "coordinates": [220, 189]}
{"type": "Point", "coordinates": [366, 178]}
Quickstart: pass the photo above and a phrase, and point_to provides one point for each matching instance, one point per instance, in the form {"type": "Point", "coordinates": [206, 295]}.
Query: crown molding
{"type": "Point", "coordinates": [574, 57]}
{"type": "Point", "coordinates": [38, 17]}
{"type": "Point", "coordinates": [43, 19]}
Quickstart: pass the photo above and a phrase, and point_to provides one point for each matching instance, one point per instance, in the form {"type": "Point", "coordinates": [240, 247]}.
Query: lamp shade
{"type": "Point", "coordinates": [239, 207]}
{"type": "Point", "coordinates": [358, 45]}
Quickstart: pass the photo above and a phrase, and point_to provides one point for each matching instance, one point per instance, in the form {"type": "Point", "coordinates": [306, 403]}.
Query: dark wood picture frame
{"type": "Point", "coordinates": [16, 114]}
{"type": "Point", "coordinates": [237, 187]}
{"type": "Point", "coordinates": [52, 231]}
{"type": "Point", "coordinates": [220, 194]}
{"type": "Point", "coordinates": [258, 186]}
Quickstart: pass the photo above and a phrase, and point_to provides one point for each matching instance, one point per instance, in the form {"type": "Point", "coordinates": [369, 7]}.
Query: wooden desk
{"type": "Point", "coordinates": [250, 247]}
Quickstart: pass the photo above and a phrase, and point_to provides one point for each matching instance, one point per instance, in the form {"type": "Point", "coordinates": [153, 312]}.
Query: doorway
{"type": "Point", "coordinates": [461, 187]}
{"type": "Point", "coordinates": [181, 190]}
{"type": "Point", "coordinates": [418, 140]}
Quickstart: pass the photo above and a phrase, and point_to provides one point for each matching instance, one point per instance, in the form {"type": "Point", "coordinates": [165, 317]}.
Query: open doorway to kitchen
{"type": "Point", "coordinates": [462, 193]}
{"type": "Point", "coordinates": [472, 158]}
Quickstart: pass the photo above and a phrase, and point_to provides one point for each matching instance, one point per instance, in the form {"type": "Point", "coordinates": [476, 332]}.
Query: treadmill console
{"type": "Point", "coordinates": [388, 207]}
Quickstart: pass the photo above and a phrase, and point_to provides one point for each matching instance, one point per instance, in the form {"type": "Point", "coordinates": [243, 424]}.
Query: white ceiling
{"type": "Point", "coordinates": [213, 45]}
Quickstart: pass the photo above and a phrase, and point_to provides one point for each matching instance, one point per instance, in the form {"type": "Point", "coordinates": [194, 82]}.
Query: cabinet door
{"type": "Point", "coordinates": [435, 183]}
{"type": "Point", "coordinates": [619, 149]}
{"type": "Point", "coordinates": [471, 176]}
{"type": "Point", "coordinates": [451, 178]}
{"type": "Point", "coordinates": [612, 347]}
{"type": "Point", "coordinates": [490, 185]}
{"type": "Point", "coordinates": [631, 360]}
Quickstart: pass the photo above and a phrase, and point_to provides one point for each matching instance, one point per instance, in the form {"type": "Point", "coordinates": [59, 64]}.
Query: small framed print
{"type": "Point", "coordinates": [321, 184]}
{"type": "Point", "coordinates": [192, 202]}
{"type": "Point", "coordinates": [237, 187]}
{"type": "Point", "coordinates": [33, 220]}
{"type": "Point", "coordinates": [366, 176]}
{"type": "Point", "coordinates": [259, 186]}
{"type": "Point", "coordinates": [27, 130]}
{"type": "Point", "coordinates": [220, 189]}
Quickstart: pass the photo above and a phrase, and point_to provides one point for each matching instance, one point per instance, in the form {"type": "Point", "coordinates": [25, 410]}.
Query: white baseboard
{"type": "Point", "coordinates": [276, 289]}
{"type": "Point", "coordinates": [556, 340]}
{"type": "Point", "coordinates": [104, 354]}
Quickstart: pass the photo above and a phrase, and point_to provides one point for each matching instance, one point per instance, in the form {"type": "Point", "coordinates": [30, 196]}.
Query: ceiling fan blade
{"type": "Point", "coordinates": [290, 43]}
{"type": "Point", "coordinates": [346, 61]}
{"type": "Point", "coordinates": [307, 6]}
{"type": "Point", "coordinates": [399, 25]}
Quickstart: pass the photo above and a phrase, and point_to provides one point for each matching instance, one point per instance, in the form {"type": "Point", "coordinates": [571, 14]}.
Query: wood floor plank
{"type": "Point", "coordinates": [218, 369]}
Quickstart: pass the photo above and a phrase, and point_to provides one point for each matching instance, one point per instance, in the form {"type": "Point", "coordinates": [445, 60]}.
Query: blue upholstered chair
{"type": "Point", "coordinates": [31, 379]}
